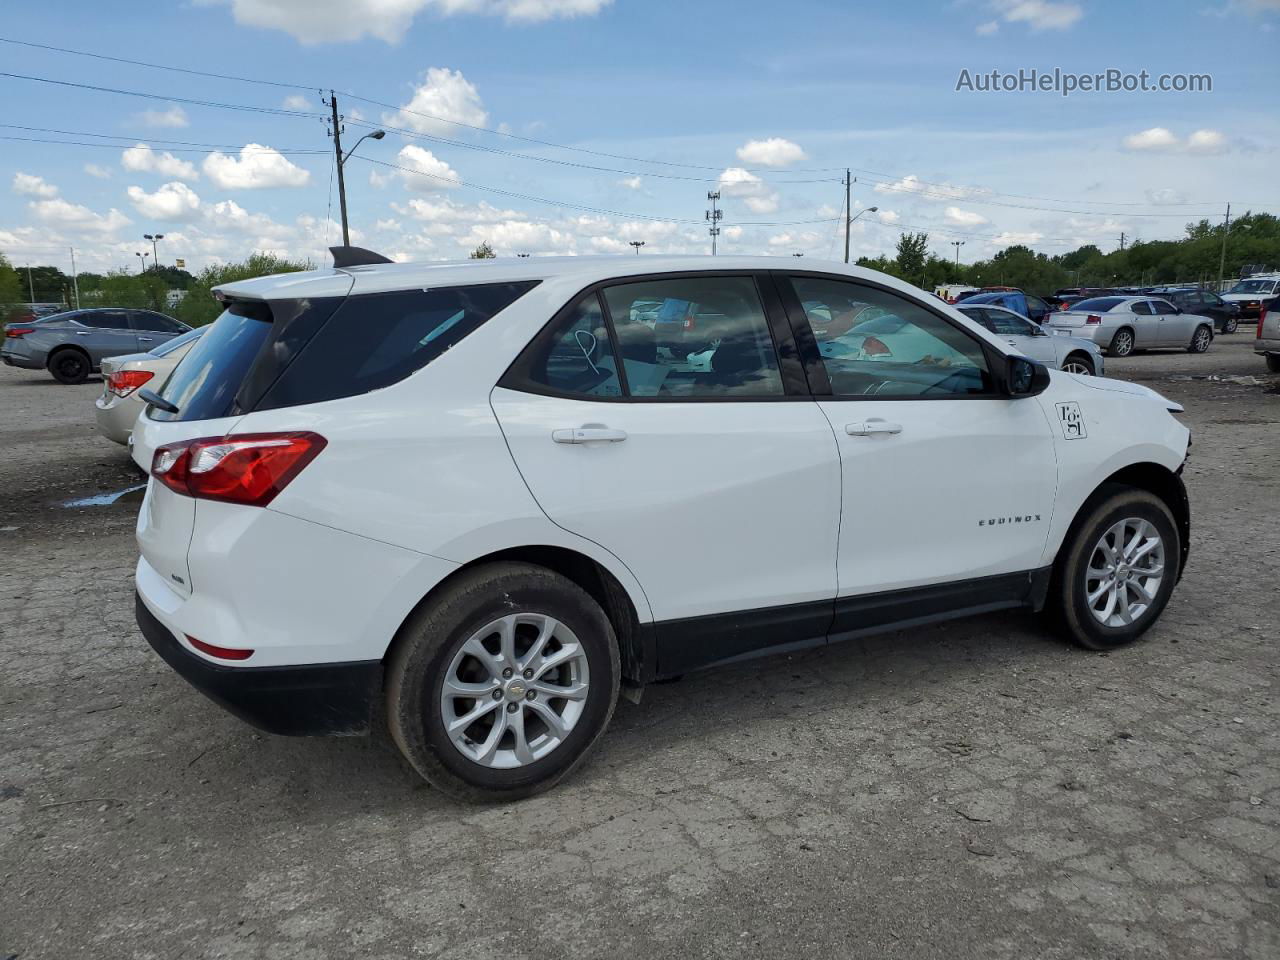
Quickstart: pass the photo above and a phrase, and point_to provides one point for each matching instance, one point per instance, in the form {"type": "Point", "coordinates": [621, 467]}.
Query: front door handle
{"type": "Point", "coordinates": [144, 339]}
{"type": "Point", "coordinates": [589, 435]}
{"type": "Point", "coordinates": [869, 428]}
{"type": "Point", "coordinates": [84, 333]}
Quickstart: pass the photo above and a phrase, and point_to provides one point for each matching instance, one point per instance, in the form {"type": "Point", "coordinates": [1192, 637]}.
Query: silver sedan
{"type": "Point", "coordinates": [1121, 325]}
{"type": "Point", "coordinates": [1072, 354]}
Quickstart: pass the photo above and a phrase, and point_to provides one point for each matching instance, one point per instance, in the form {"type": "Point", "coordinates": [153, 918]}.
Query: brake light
{"type": "Point", "coordinates": [222, 653]}
{"type": "Point", "coordinates": [1093, 318]}
{"type": "Point", "coordinates": [124, 382]}
{"type": "Point", "coordinates": [16, 332]}
{"type": "Point", "coordinates": [249, 469]}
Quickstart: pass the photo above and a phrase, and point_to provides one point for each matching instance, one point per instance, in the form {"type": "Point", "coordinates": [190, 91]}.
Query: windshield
{"type": "Point", "coordinates": [176, 343]}
{"type": "Point", "coordinates": [1254, 286]}
{"type": "Point", "coordinates": [1098, 304]}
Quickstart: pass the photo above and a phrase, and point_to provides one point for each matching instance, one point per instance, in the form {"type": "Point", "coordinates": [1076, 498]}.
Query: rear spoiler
{"type": "Point", "coordinates": [356, 257]}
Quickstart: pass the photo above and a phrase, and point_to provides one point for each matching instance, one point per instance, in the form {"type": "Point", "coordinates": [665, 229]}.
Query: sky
{"type": "Point", "coordinates": [578, 126]}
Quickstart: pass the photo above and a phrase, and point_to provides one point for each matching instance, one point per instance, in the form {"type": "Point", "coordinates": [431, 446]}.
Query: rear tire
{"type": "Point", "coordinates": [1273, 362]}
{"type": "Point", "coordinates": [460, 643]}
{"type": "Point", "coordinates": [1121, 343]}
{"type": "Point", "coordinates": [1109, 559]}
{"type": "Point", "coordinates": [1231, 325]}
{"type": "Point", "coordinates": [69, 366]}
{"type": "Point", "coordinates": [1201, 339]}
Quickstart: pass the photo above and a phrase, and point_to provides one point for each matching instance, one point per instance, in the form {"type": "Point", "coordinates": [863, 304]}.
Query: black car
{"type": "Point", "coordinates": [1205, 303]}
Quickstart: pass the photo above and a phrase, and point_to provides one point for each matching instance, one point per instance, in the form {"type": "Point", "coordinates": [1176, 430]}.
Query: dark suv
{"type": "Point", "coordinates": [73, 345]}
{"type": "Point", "coordinates": [1204, 303]}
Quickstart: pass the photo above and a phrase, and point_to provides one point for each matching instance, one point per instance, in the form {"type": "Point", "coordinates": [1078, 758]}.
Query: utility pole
{"type": "Point", "coordinates": [637, 244]}
{"type": "Point", "coordinates": [713, 217]}
{"type": "Point", "coordinates": [848, 212]}
{"type": "Point", "coordinates": [75, 277]}
{"type": "Point", "coordinates": [1222, 261]}
{"type": "Point", "coordinates": [957, 244]}
{"type": "Point", "coordinates": [31, 284]}
{"type": "Point", "coordinates": [1121, 239]}
{"type": "Point", "coordinates": [336, 133]}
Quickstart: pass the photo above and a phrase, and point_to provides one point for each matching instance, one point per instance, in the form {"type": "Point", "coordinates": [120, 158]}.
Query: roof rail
{"type": "Point", "coordinates": [356, 257]}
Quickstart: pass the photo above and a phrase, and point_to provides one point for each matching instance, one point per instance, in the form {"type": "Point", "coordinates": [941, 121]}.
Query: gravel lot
{"type": "Point", "coordinates": [970, 790]}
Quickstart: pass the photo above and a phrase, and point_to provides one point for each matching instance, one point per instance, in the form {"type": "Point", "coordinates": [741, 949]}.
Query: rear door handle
{"type": "Point", "coordinates": [144, 339]}
{"type": "Point", "coordinates": [84, 333]}
{"type": "Point", "coordinates": [589, 435]}
{"type": "Point", "coordinates": [868, 428]}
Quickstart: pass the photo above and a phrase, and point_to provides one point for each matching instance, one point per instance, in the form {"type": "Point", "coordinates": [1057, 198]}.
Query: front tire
{"type": "Point", "coordinates": [1118, 570]}
{"type": "Point", "coordinates": [1200, 340]}
{"type": "Point", "coordinates": [69, 366]}
{"type": "Point", "coordinates": [1078, 363]}
{"type": "Point", "coordinates": [497, 688]}
{"type": "Point", "coordinates": [1273, 362]}
{"type": "Point", "coordinates": [1231, 325]}
{"type": "Point", "coordinates": [1121, 343]}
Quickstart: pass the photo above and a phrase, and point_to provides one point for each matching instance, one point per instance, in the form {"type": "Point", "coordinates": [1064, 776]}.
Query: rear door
{"type": "Point", "coordinates": [104, 333]}
{"type": "Point", "coordinates": [714, 477]}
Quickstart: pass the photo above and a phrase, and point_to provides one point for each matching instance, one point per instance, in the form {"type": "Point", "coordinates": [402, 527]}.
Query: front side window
{"type": "Point", "coordinates": [877, 343]}
{"type": "Point", "coordinates": [1010, 325]}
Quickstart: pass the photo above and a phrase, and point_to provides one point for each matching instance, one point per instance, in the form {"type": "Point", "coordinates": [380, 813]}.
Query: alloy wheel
{"type": "Point", "coordinates": [1122, 345]}
{"type": "Point", "coordinates": [514, 690]}
{"type": "Point", "coordinates": [71, 366]}
{"type": "Point", "coordinates": [1077, 366]}
{"type": "Point", "coordinates": [1125, 571]}
{"type": "Point", "coordinates": [1201, 342]}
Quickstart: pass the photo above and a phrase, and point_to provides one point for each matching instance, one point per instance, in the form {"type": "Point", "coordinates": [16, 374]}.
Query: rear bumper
{"type": "Point", "coordinates": [310, 700]}
{"type": "Point", "coordinates": [116, 417]}
{"type": "Point", "coordinates": [21, 360]}
{"type": "Point", "coordinates": [1265, 345]}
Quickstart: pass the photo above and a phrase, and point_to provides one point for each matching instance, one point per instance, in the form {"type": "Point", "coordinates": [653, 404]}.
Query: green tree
{"type": "Point", "coordinates": [199, 307]}
{"type": "Point", "coordinates": [482, 252]}
{"type": "Point", "coordinates": [912, 253]}
{"type": "Point", "coordinates": [10, 288]}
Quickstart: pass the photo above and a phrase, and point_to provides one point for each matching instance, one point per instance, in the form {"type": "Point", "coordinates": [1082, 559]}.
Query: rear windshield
{"type": "Point", "coordinates": [1098, 304]}
{"type": "Point", "coordinates": [260, 356]}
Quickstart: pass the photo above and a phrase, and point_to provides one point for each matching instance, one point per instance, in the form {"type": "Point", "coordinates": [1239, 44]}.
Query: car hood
{"type": "Point", "coordinates": [1236, 297]}
{"type": "Point", "coordinates": [1133, 389]}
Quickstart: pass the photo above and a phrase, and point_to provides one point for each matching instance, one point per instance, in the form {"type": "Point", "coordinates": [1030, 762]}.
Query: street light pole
{"type": "Point", "coordinates": [957, 244]}
{"type": "Point", "coordinates": [848, 223]}
{"type": "Point", "coordinates": [155, 238]}
{"type": "Point", "coordinates": [142, 261]}
{"type": "Point", "coordinates": [1222, 261]}
{"type": "Point", "coordinates": [637, 244]}
{"type": "Point", "coordinates": [341, 162]}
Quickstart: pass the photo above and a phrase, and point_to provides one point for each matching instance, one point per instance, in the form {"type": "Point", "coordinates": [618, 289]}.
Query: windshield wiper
{"type": "Point", "coordinates": [155, 400]}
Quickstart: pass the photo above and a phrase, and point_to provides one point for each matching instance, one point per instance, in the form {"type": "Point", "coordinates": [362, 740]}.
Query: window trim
{"type": "Point", "coordinates": [815, 366]}
{"type": "Point", "coordinates": [788, 357]}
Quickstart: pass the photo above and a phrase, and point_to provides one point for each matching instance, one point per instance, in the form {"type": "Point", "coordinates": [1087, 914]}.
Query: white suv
{"type": "Point", "coordinates": [485, 495]}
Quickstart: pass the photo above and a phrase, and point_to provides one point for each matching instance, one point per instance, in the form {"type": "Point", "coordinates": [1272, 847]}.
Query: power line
{"type": "Point", "coordinates": [159, 144]}
{"type": "Point", "coordinates": [118, 146]}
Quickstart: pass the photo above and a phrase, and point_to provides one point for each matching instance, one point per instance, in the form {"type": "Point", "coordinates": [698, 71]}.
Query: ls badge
{"type": "Point", "coordinates": [1072, 421]}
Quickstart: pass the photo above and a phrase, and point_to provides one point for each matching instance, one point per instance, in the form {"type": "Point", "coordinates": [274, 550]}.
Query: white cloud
{"type": "Point", "coordinates": [29, 185]}
{"type": "Point", "coordinates": [1038, 14]}
{"type": "Point", "coordinates": [444, 95]}
{"type": "Point", "coordinates": [59, 211]}
{"type": "Point", "coordinates": [929, 191]}
{"type": "Point", "coordinates": [421, 170]}
{"type": "Point", "coordinates": [1206, 141]}
{"type": "Point", "coordinates": [765, 204]}
{"type": "Point", "coordinates": [987, 29]}
{"type": "Point", "coordinates": [296, 101]}
{"type": "Point", "coordinates": [174, 202]}
{"type": "Point", "coordinates": [1166, 195]}
{"type": "Point", "coordinates": [963, 218]}
{"type": "Point", "coordinates": [336, 21]}
{"type": "Point", "coordinates": [93, 170]}
{"type": "Point", "coordinates": [1011, 238]}
{"type": "Point", "coordinates": [774, 152]}
{"type": "Point", "coordinates": [257, 167]}
{"type": "Point", "coordinates": [230, 216]}
{"type": "Point", "coordinates": [1162, 140]}
{"type": "Point", "coordinates": [887, 216]}
{"type": "Point", "coordinates": [175, 116]}
{"type": "Point", "coordinates": [142, 159]}
{"type": "Point", "coordinates": [736, 182]}
{"type": "Point", "coordinates": [631, 183]}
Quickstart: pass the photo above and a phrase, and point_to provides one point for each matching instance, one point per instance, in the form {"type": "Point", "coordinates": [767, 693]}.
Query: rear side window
{"type": "Point", "coordinates": [375, 340]}
{"type": "Point", "coordinates": [103, 319]}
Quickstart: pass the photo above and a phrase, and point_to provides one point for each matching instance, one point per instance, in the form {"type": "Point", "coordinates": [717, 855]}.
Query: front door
{"type": "Point", "coordinates": [945, 482]}
{"type": "Point", "coordinates": [707, 469]}
{"type": "Point", "coordinates": [1024, 336]}
{"type": "Point", "coordinates": [107, 333]}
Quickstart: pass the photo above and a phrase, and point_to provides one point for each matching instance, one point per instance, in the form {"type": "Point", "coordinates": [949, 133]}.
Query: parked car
{"type": "Point", "coordinates": [1204, 303]}
{"type": "Point", "coordinates": [1121, 325]}
{"type": "Point", "coordinates": [435, 486]}
{"type": "Point", "coordinates": [27, 312]}
{"type": "Point", "coordinates": [72, 345]}
{"type": "Point", "coordinates": [122, 378]}
{"type": "Point", "coordinates": [1072, 354]}
{"type": "Point", "coordinates": [1250, 294]}
{"type": "Point", "coordinates": [1015, 300]}
{"type": "Point", "coordinates": [951, 292]}
{"type": "Point", "coordinates": [1268, 342]}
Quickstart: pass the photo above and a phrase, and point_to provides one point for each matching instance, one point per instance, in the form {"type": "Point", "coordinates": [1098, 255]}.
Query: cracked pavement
{"type": "Point", "coordinates": [974, 789]}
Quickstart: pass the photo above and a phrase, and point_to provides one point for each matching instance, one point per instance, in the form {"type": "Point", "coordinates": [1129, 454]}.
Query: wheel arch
{"type": "Point", "coordinates": [1082, 355]}
{"type": "Point", "coordinates": [634, 643]}
{"type": "Point", "coordinates": [63, 348]}
{"type": "Point", "coordinates": [1154, 478]}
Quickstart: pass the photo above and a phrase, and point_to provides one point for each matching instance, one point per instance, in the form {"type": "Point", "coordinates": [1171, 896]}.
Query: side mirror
{"type": "Point", "coordinates": [1025, 378]}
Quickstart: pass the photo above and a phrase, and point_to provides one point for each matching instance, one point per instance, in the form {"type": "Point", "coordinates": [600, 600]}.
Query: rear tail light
{"type": "Point", "coordinates": [248, 469]}
{"type": "Point", "coordinates": [16, 332]}
{"type": "Point", "coordinates": [1262, 319]}
{"type": "Point", "coordinates": [1093, 318]}
{"type": "Point", "coordinates": [124, 382]}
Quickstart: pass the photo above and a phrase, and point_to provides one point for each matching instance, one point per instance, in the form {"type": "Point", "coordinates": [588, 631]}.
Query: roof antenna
{"type": "Point", "coordinates": [356, 257]}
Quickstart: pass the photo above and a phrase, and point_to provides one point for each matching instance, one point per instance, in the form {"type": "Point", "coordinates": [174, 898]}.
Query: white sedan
{"type": "Point", "coordinates": [122, 377]}
{"type": "Point", "coordinates": [1071, 354]}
